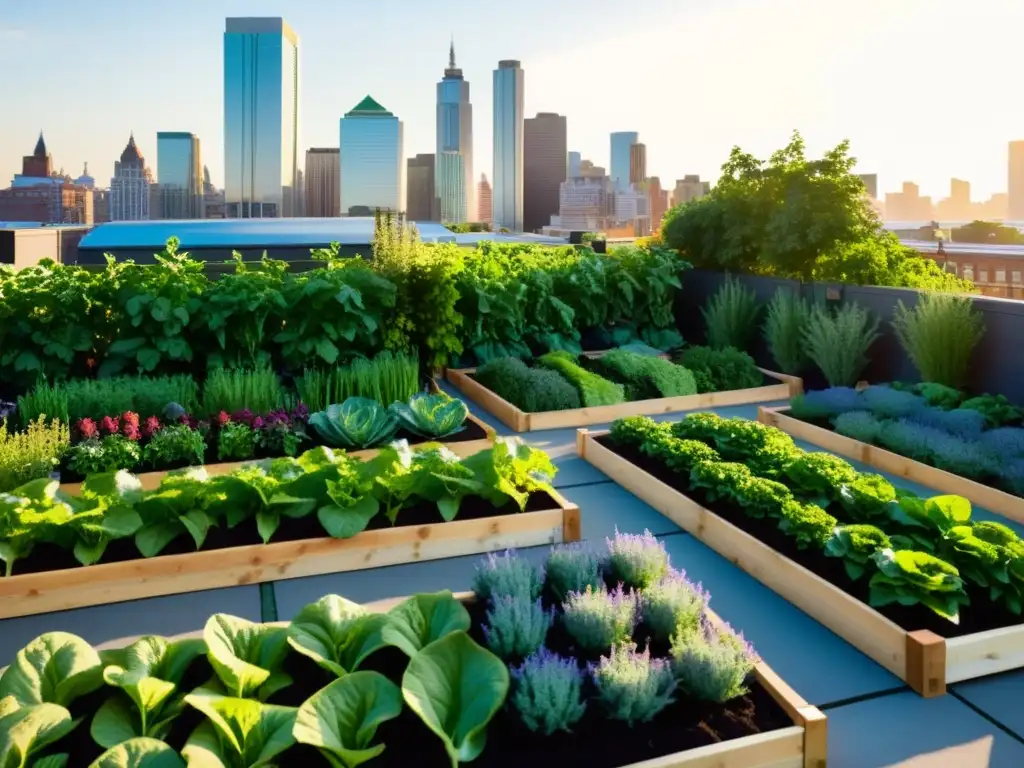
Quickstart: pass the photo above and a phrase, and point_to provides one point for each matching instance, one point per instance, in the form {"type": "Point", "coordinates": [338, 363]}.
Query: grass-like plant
{"type": "Point", "coordinates": [784, 326]}
{"type": "Point", "coordinates": [838, 342]}
{"type": "Point", "coordinates": [31, 454]}
{"type": "Point", "coordinates": [95, 398]}
{"type": "Point", "coordinates": [731, 315]}
{"type": "Point", "coordinates": [44, 401]}
{"type": "Point", "coordinates": [939, 335]}
{"type": "Point", "coordinates": [236, 389]}
{"type": "Point", "coordinates": [387, 378]}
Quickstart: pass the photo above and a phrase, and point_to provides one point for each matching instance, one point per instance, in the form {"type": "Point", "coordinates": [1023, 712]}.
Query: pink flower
{"type": "Point", "coordinates": [131, 431]}
{"type": "Point", "coordinates": [87, 428]}
{"type": "Point", "coordinates": [110, 425]}
{"type": "Point", "coordinates": [257, 423]}
{"type": "Point", "coordinates": [151, 427]}
{"type": "Point", "coordinates": [130, 418]}
{"type": "Point", "coordinates": [223, 419]}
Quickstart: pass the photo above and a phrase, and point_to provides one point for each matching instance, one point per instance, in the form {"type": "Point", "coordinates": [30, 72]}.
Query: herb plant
{"type": "Point", "coordinates": [644, 376]}
{"type": "Point", "coordinates": [593, 389]}
{"type": "Point", "coordinates": [573, 568]}
{"type": "Point", "coordinates": [257, 390]}
{"type": "Point", "coordinates": [939, 334]}
{"type": "Point", "coordinates": [714, 663]}
{"type": "Point", "coordinates": [838, 342]}
{"type": "Point", "coordinates": [672, 606]}
{"type": "Point", "coordinates": [34, 453]}
{"type": "Point", "coordinates": [632, 686]}
{"type": "Point", "coordinates": [532, 390]}
{"type": "Point", "coordinates": [731, 316]}
{"type": "Point", "coordinates": [598, 619]}
{"type": "Point", "coordinates": [516, 627]}
{"type": "Point", "coordinates": [784, 327]}
{"type": "Point", "coordinates": [721, 370]}
{"type": "Point", "coordinates": [637, 561]}
{"type": "Point", "coordinates": [507, 575]}
{"type": "Point", "coordinates": [548, 692]}
{"type": "Point", "coordinates": [173, 445]}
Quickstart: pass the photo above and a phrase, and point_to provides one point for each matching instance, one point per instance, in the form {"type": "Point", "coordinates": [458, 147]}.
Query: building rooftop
{"type": "Point", "coordinates": [368, 106]}
{"type": "Point", "coordinates": [975, 249]}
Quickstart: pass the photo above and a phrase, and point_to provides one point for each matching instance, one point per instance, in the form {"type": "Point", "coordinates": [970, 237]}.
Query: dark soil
{"type": "Point", "coordinates": [981, 616]}
{"type": "Point", "coordinates": [49, 557]}
{"type": "Point", "coordinates": [471, 431]}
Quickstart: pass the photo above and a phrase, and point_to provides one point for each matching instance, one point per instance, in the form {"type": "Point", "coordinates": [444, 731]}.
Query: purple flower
{"type": "Point", "coordinates": [245, 416]}
{"type": "Point", "coordinates": [598, 619]}
{"type": "Point", "coordinates": [672, 605]}
{"type": "Point", "coordinates": [548, 692]}
{"type": "Point", "coordinates": [300, 412]}
{"type": "Point", "coordinates": [632, 686]}
{"type": "Point", "coordinates": [714, 662]}
{"type": "Point", "coordinates": [638, 560]}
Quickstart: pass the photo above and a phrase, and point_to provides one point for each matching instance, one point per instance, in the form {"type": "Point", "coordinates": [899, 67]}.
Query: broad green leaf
{"type": "Point", "coordinates": [116, 720]}
{"type": "Point", "coordinates": [244, 654]}
{"type": "Point", "coordinates": [8, 704]}
{"type": "Point", "coordinates": [456, 687]}
{"type": "Point", "coordinates": [139, 753]}
{"type": "Point", "coordinates": [254, 733]}
{"type": "Point", "coordinates": [121, 485]}
{"type": "Point", "coordinates": [337, 634]}
{"type": "Point", "coordinates": [88, 553]}
{"type": "Point", "coordinates": [268, 520]}
{"type": "Point", "coordinates": [197, 523]}
{"type": "Point", "coordinates": [148, 358]}
{"type": "Point", "coordinates": [422, 619]}
{"type": "Point", "coordinates": [120, 522]}
{"type": "Point", "coordinates": [52, 761]}
{"type": "Point", "coordinates": [342, 719]}
{"type": "Point", "coordinates": [55, 668]}
{"type": "Point", "coordinates": [31, 729]}
{"type": "Point", "coordinates": [948, 511]}
{"type": "Point", "coordinates": [154, 537]}
{"type": "Point", "coordinates": [346, 522]}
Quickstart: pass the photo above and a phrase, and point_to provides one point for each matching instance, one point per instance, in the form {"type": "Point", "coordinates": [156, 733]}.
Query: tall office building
{"type": "Point", "coordinates": [372, 160]}
{"type": "Point", "coordinates": [453, 174]}
{"type": "Point", "coordinates": [179, 175]}
{"type": "Point", "coordinates": [1015, 210]}
{"type": "Point", "coordinates": [322, 182]}
{"type": "Point", "coordinates": [621, 152]}
{"type": "Point", "coordinates": [485, 212]}
{"type": "Point", "coordinates": [573, 165]}
{"type": "Point", "coordinates": [129, 187]}
{"type": "Point", "coordinates": [544, 168]}
{"type": "Point", "coordinates": [689, 188]}
{"type": "Point", "coordinates": [261, 118]}
{"type": "Point", "coordinates": [657, 202]}
{"type": "Point", "coordinates": [422, 202]}
{"type": "Point", "coordinates": [637, 163]}
{"type": "Point", "coordinates": [509, 83]}
{"type": "Point", "coordinates": [870, 182]}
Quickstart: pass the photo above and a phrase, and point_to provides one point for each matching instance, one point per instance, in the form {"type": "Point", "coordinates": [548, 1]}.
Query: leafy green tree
{"type": "Point", "coordinates": [987, 232]}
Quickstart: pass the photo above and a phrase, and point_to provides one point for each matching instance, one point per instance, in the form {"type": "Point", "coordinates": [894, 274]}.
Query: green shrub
{"type": "Point", "coordinates": [860, 425]}
{"type": "Point", "coordinates": [939, 335]}
{"type": "Point", "coordinates": [112, 453]}
{"type": "Point", "coordinates": [31, 454]}
{"type": "Point", "coordinates": [172, 445]}
{"type": "Point", "coordinates": [645, 377]}
{"type": "Point", "coordinates": [788, 316]}
{"type": "Point", "coordinates": [939, 395]}
{"type": "Point", "coordinates": [997, 410]}
{"type": "Point", "coordinates": [529, 389]}
{"type": "Point", "coordinates": [838, 342]}
{"type": "Point", "coordinates": [387, 378]}
{"type": "Point", "coordinates": [593, 389]}
{"type": "Point", "coordinates": [721, 370]}
{"type": "Point", "coordinates": [731, 315]}
{"type": "Point", "coordinates": [237, 389]}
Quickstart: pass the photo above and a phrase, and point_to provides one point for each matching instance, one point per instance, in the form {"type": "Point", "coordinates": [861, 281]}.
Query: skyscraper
{"type": "Point", "coordinates": [622, 144]}
{"type": "Point", "coordinates": [637, 163]}
{"type": "Point", "coordinates": [544, 168]}
{"type": "Point", "coordinates": [870, 182]}
{"type": "Point", "coordinates": [261, 118]}
{"type": "Point", "coordinates": [422, 202]}
{"type": "Point", "coordinates": [129, 187]}
{"type": "Point", "coordinates": [485, 212]}
{"type": "Point", "coordinates": [574, 165]}
{"type": "Point", "coordinates": [453, 174]}
{"type": "Point", "coordinates": [179, 175]}
{"type": "Point", "coordinates": [509, 82]}
{"type": "Point", "coordinates": [1015, 187]}
{"type": "Point", "coordinates": [657, 202]}
{"type": "Point", "coordinates": [323, 182]}
{"type": "Point", "coordinates": [372, 160]}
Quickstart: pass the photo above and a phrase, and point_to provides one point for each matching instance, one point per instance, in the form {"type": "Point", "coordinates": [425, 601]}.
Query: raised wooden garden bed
{"type": "Point", "coordinates": [151, 480]}
{"type": "Point", "coordinates": [521, 421]}
{"type": "Point", "coordinates": [58, 590]}
{"type": "Point", "coordinates": [922, 659]}
{"type": "Point", "coordinates": [992, 499]}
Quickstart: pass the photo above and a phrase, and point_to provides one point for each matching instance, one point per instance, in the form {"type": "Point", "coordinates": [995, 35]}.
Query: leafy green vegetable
{"type": "Point", "coordinates": [424, 618]}
{"type": "Point", "coordinates": [246, 656]}
{"type": "Point", "coordinates": [178, 507]}
{"type": "Point", "coordinates": [456, 687]}
{"type": "Point", "coordinates": [139, 753]}
{"type": "Point", "coordinates": [511, 469]}
{"type": "Point", "coordinates": [55, 668]}
{"type": "Point", "coordinates": [821, 474]}
{"type": "Point", "coordinates": [263, 492]}
{"type": "Point", "coordinates": [338, 634]}
{"type": "Point", "coordinates": [432, 416]}
{"type": "Point", "coordinates": [912, 578]}
{"type": "Point", "coordinates": [866, 497]}
{"type": "Point", "coordinates": [352, 506]}
{"type": "Point", "coordinates": [357, 423]}
{"type": "Point", "coordinates": [431, 472]}
{"type": "Point", "coordinates": [29, 730]}
{"type": "Point", "coordinates": [238, 733]}
{"type": "Point", "coordinates": [855, 544]}
{"type": "Point", "coordinates": [342, 719]}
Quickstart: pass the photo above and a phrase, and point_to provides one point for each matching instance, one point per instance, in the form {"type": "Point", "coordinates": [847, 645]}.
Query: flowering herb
{"type": "Point", "coordinates": [573, 568]}
{"type": "Point", "coordinates": [110, 425]}
{"type": "Point", "coordinates": [151, 427]}
{"type": "Point", "coordinates": [637, 560]}
{"type": "Point", "coordinates": [507, 575]}
{"type": "Point", "coordinates": [516, 627]}
{"type": "Point", "coordinates": [632, 686]}
{"type": "Point", "coordinates": [598, 619]}
{"type": "Point", "coordinates": [548, 692]}
{"type": "Point", "coordinates": [236, 442]}
{"type": "Point", "coordinates": [222, 419]}
{"type": "Point", "coordinates": [713, 663]}
{"type": "Point", "coordinates": [673, 605]}
{"type": "Point", "coordinates": [87, 429]}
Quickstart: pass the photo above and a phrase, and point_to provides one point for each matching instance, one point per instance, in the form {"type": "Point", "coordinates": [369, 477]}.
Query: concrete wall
{"type": "Point", "coordinates": [997, 367]}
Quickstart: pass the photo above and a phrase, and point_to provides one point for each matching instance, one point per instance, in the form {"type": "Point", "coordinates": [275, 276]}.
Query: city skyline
{"type": "Point", "coordinates": [763, 91]}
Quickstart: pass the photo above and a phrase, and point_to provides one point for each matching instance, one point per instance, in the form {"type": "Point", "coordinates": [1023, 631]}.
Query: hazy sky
{"type": "Point", "coordinates": [924, 89]}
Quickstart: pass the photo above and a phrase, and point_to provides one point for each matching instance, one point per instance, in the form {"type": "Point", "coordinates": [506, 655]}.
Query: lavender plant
{"type": "Point", "coordinates": [673, 605]}
{"type": "Point", "coordinates": [713, 663]}
{"type": "Point", "coordinates": [637, 560]}
{"type": "Point", "coordinates": [962, 457]}
{"type": "Point", "coordinates": [548, 692]}
{"type": "Point", "coordinates": [1003, 441]}
{"type": "Point", "coordinates": [826, 403]}
{"type": "Point", "coordinates": [960, 422]}
{"type": "Point", "coordinates": [632, 686]}
{"type": "Point", "coordinates": [860, 425]}
{"type": "Point", "coordinates": [909, 439]}
{"type": "Point", "coordinates": [516, 627]}
{"type": "Point", "coordinates": [507, 575]}
{"type": "Point", "coordinates": [889, 403]}
{"type": "Point", "coordinates": [598, 619]}
{"type": "Point", "coordinates": [573, 568]}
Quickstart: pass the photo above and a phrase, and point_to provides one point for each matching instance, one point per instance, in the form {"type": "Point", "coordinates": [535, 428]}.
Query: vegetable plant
{"type": "Point", "coordinates": [907, 578]}
{"type": "Point", "coordinates": [247, 657]}
{"type": "Point", "coordinates": [177, 444]}
{"type": "Point", "coordinates": [357, 423]}
{"type": "Point", "coordinates": [238, 732]}
{"type": "Point", "coordinates": [721, 370]}
{"type": "Point", "coordinates": [432, 416]}
{"type": "Point", "coordinates": [337, 634]}
{"type": "Point", "coordinates": [856, 544]}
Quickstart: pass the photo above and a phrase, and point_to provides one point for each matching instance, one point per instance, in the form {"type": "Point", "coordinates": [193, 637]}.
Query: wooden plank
{"type": "Point", "coordinates": [926, 663]}
{"type": "Point", "coordinates": [984, 653]}
{"type": "Point", "coordinates": [33, 593]}
{"type": "Point", "coordinates": [992, 499]}
{"type": "Point", "coordinates": [776, 749]}
{"type": "Point", "coordinates": [858, 624]}
{"type": "Point", "coordinates": [815, 737]}
{"type": "Point", "coordinates": [151, 480]}
{"type": "Point", "coordinates": [504, 411]}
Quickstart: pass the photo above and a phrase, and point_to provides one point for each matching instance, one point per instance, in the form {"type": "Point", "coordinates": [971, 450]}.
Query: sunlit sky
{"type": "Point", "coordinates": [924, 89]}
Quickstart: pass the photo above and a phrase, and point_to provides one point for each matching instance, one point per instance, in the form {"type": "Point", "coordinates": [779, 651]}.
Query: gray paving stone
{"type": "Point", "coordinates": [607, 505]}
{"type": "Point", "coordinates": [999, 697]}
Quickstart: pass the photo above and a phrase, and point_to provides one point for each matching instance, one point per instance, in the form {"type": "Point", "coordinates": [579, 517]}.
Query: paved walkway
{"type": "Point", "coordinates": [874, 719]}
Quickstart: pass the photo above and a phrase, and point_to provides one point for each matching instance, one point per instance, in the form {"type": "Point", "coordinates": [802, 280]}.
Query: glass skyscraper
{"type": "Point", "coordinates": [372, 162]}
{"type": "Point", "coordinates": [453, 173]}
{"type": "Point", "coordinates": [621, 147]}
{"type": "Point", "coordinates": [507, 191]}
{"type": "Point", "coordinates": [261, 118]}
{"type": "Point", "coordinates": [179, 173]}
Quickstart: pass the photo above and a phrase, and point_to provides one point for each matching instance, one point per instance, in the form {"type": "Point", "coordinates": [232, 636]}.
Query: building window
{"type": "Point", "coordinates": [1000, 276]}
{"type": "Point", "coordinates": [1016, 277]}
{"type": "Point", "coordinates": [951, 266]}
{"type": "Point", "coordinates": [982, 275]}
{"type": "Point", "coordinates": [968, 271]}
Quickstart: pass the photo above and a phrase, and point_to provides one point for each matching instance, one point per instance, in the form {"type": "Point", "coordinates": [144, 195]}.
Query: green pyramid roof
{"type": "Point", "coordinates": [368, 107]}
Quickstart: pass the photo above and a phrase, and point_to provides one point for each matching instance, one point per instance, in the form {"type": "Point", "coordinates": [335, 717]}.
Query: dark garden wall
{"type": "Point", "coordinates": [997, 367]}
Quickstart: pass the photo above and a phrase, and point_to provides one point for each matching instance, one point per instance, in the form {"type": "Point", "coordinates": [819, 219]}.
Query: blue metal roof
{"type": "Point", "coordinates": [269, 233]}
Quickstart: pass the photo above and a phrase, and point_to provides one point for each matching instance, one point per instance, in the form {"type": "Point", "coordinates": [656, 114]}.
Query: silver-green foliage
{"type": "Point", "coordinates": [636, 560]}
{"type": "Point", "coordinates": [548, 692]}
{"type": "Point", "coordinates": [507, 575]}
{"type": "Point", "coordinates": [939, 335]}
{"type": "Point", "coordinates": [672, 605]}
{"type": "Point", "coordinates": [784, 326]}
{"type": "Point", "coordinates": [838, 342]}
{"type": "Point", "coordinates": [731, 315]}
{"type": "Point", "coordinates": [598, 619]}
{"type": "Point", "coordinates": [632, 686]}
{"type": "Point", "coordinates": [713, 663]}
{"type": "Point", "coordinates": [516, 627]}
{"type": "Point", "coordinates": [573, 568]}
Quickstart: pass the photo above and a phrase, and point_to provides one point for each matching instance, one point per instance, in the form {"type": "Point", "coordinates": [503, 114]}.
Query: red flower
{"type": "Point", "coordinates": [257, 423]}
{"type": "Point", "coordinates": [151, 427]}
{"type": "Point", "coordinates": [131, 431]}
{"type": "Point", "coordinates": [87, 428]}
{"type": "Point", "coordinates": [110, 425]}
{"type": "Point", "coordinates": [130, 418]}
{"type": "Point", "coordinates": [223, 419]}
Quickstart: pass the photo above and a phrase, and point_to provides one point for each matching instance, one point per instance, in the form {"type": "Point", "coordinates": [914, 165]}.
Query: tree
{"type": "Point", "coordinates": [987, 232]}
